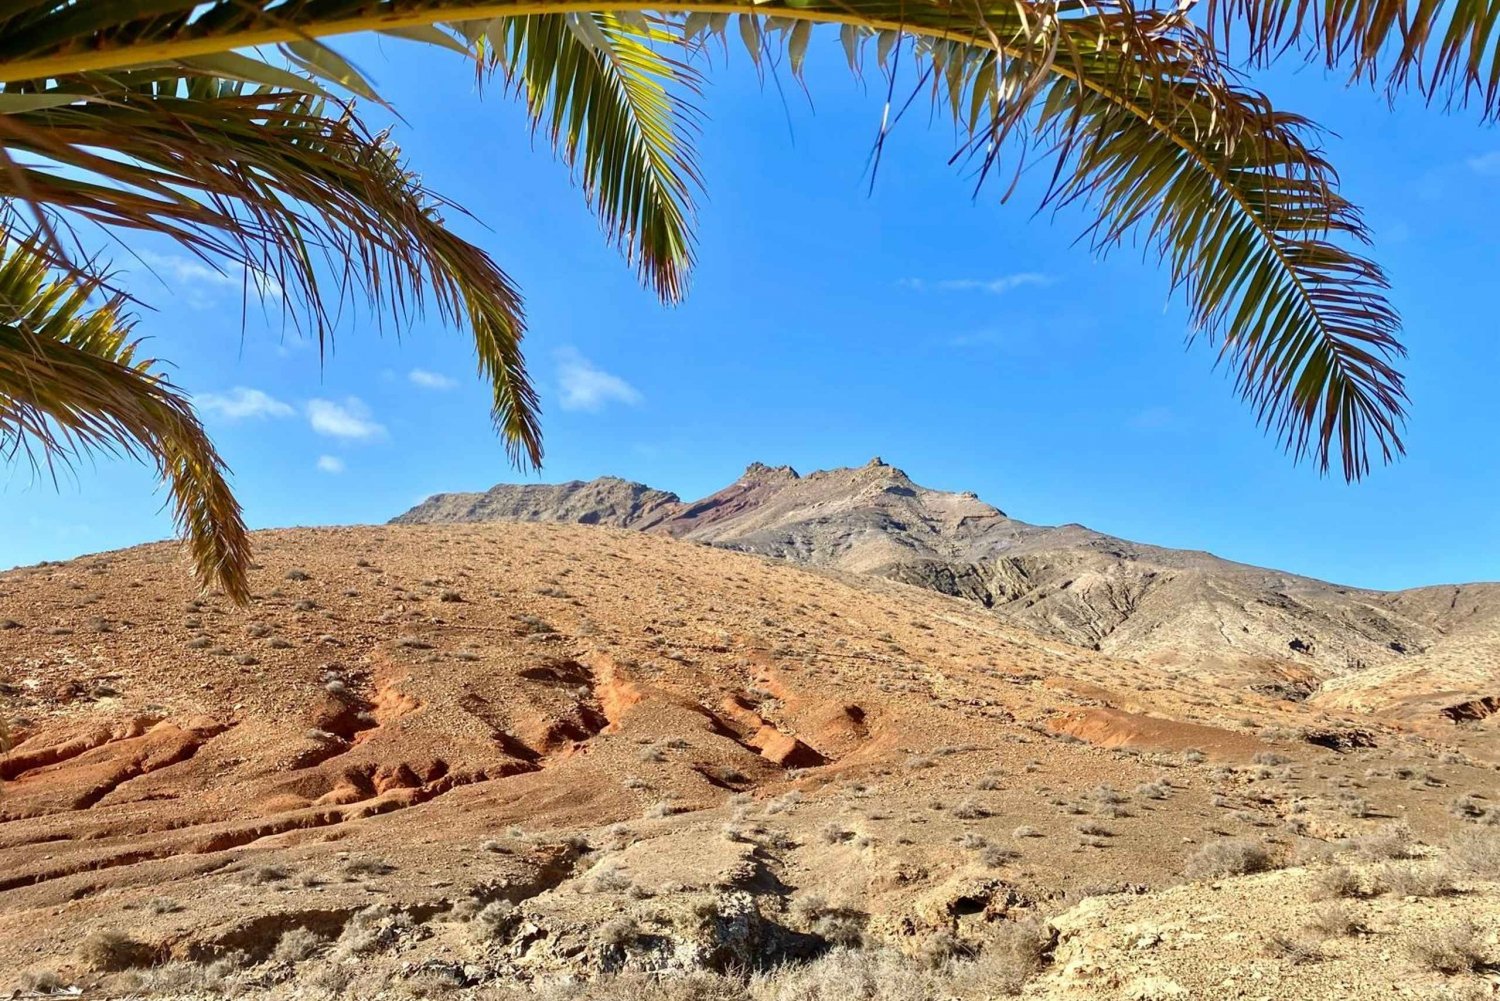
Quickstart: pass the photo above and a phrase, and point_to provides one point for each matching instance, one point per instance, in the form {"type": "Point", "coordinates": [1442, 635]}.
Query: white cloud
{"type": "Point", "coordinates": [198, 280]}
{"type": "Point", "coordinates": [349, 419]}
{"type": "Point", "coordinates": [330, 464]}
{"type": "Point", "coordinates": [994, 286]}
{"type": "Point", "coordinates": [585, 387]}
{"type": "Point", "coordinates": [242, 402]}
{"type": "Point", "coordinates": [430, 380]}
{"type": "Point", "coordinates": [1487, 164]}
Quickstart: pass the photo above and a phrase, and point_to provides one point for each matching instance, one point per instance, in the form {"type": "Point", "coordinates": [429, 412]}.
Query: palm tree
{"type": "Point", "coordinates": [229, 126]}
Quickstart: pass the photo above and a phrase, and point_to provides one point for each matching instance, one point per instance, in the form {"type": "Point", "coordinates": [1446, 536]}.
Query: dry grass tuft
{"type": "Point", "coordinates": [1452, 949]}
{"type": "Point", "coordinates": [1229, 857]}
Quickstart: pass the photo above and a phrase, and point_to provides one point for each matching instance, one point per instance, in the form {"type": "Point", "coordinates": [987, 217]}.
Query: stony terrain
{"type": "Point", "coordinates": [538, 760]}
{"type": "Point", "coordinates": [1287, 635]}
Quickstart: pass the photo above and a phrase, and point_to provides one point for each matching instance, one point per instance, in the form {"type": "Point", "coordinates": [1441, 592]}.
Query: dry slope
{"type": "Point", "coordinates": [439, 758]}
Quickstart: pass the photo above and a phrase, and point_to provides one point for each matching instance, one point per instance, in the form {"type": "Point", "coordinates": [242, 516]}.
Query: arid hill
{"type": "Point", "coordinates": [1274, 632]}
{"type": "Point", "coordinates": [533, 760]}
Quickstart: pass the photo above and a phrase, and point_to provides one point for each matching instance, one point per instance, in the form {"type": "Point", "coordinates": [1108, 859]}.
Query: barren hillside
{"type": "Point", "coordinates": [476, 758]}
{"type": "Point", "coordinates": [1273, 632]}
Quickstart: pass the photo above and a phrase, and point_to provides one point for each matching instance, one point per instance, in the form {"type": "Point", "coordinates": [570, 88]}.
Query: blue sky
{"type": "Point", "coordinates": [973, 343]}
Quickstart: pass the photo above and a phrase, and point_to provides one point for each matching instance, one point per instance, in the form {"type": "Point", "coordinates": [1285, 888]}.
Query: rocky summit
{"type": "Point", "coordinates": [1433, 650]}
{"type": "Point", "coordinates": [819, 737]}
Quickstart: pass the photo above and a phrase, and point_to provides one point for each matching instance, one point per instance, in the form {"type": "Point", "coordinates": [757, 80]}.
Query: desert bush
{"type": "Point", "coordinates": [994, 856]}
{"type": "Point", "coordinates": [968, 809]}
{"type": "Point", "coordinates": [1333, 883]}
{"type": "Point", "coordinates": [163, 905]}
{"type": "Point", "coordinates": [372, 929]}
{"type": "Point", "coordinates": [835, 924]}
{"type": "Point", "coordinates": [1333, 920]}
{"type": "Point", "coordinates": [189, 979]}
{"type": "Point", "coordinates": [40, 982]}
{"type": "Point", "coordinates": [1297, 951]}
{"type": "Point", "coordinates": [1451, 949]}
{"type": "Point", "coordinates": [1427, 879]}
{"type": "Point", "coordinates": [619, 932]}
{"type": "Point", "coordinates": [108, 951]}
{"type": "Point", "coordinates": [1393, 841]}
{"type": "Point", "coordinates": [1477, 854]}
{"type": "Point", "coordinates": [834, 833]}
{"type": "Point", "coordinates": [1229, 857]}
{"type": "Point", "coordinates": [354, 868]}
{"type": "Point", "coordinates": [844, 974]}
{"type": "Point", "coordinates": [606, 877]}
{"type": "Point", "coordinates": [297, 944]}
{"type": "Point", "coordinates": [1026, 831]}
{"type": "Point", "coordinates": [988, 782]}
{"type": "Point", "coordinates": [494, 920]}
{"type": "Point", "coordinates": [263, 874]}
{"type": "Point", "coordinates": [660, 809]}
{"type": "Point", "coordinates": [1355, 806]}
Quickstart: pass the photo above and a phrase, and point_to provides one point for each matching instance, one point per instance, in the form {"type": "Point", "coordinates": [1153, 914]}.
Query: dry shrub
{"type": "Point", "coordinates": [110, 951]}
{"type": "Point", "coordinates": [1452, 949]}
{"type": "Point", "coordinates": [1334, 882]}
{"type": "Point", "coordinates": [1477, 854]}
{"type": "Point", "coordinates": [1333, 920]}
{"type": "Point", "coordinates": [295, 945]}
{"type": "Point", "coordinates": [1229, 857]}
{"type": "Point", "coordinates": [1297, 951]}
{"type": "Point", "coordinates": [1393, 841]}
{"type": "Point", "coordinates": [837, 924]}
{"type": "Point", "coordinates": [1430, 879]}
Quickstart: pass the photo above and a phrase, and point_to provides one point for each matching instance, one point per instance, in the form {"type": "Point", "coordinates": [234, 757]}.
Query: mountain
{"type": "Point", "coordinates": [1274, 632]}
{"type": "Point", "coordinates": [543, 762]}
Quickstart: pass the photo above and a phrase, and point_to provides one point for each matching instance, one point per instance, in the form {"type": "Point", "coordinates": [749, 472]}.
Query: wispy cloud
{"type": "Point", "coordinates": [585, 387]}
{"type": "Point", "coordinates": [348, 419]}
{"type": "Point", "coordinates": [330, 464]}
{"type": "Point", "coordinates": [200, 284]}
{"type": "Point", "coordinates": [1487, 164]}
{"type": "Point", "coordinates": [430, 380]}
{"type": "Point", "coordinates": [993, 286]}
{"type": "Point", "coordinates": [242, 403]}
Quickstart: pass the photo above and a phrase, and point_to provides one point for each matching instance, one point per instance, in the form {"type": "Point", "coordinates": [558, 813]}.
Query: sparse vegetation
{"type": "Point", "coordinates": [108, 951]}
{"type": "Point", "coordinates": [1229, 857]}
{"type": "Point", "coordinates": [1449, 949]}
{"type": "Point", "coordinates": [296, 945]}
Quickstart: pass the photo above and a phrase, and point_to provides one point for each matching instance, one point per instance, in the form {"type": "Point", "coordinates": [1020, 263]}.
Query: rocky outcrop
{"type": "Point", "coordinates": [606, 501]}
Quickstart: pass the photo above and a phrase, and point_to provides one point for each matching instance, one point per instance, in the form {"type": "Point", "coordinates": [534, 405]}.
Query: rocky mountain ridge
{"type": "Point", "coordinates": [1276, 632]}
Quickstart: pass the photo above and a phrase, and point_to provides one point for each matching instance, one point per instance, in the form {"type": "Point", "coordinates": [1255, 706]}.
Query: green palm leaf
{"type": "Point", "coordinates": [604, 92]}
{"type": "Point", "coordinates": [70, 383]}
{"type": "Point", "coordinates": [1146, 126]}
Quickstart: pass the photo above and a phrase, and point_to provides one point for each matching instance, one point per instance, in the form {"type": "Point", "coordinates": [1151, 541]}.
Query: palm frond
{"type": "Point", "coordinates": [1232, 193]}
{"type": "Point", "coordinates": [70, 383]}
{"type": "Point", "coordinates": [607, 96]}
{"type": "Point", "coordinates": [1449, 51]}
{"type": "Point", "coordinates": [269, 179]}
{"type": "Point", "coordinates": [1142, 120]}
